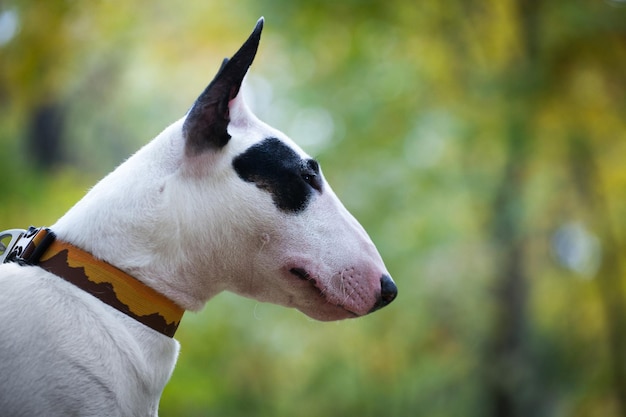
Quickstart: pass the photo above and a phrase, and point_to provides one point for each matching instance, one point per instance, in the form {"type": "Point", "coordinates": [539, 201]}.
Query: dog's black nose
{"type": "Point", "coordinates": [388, 292]}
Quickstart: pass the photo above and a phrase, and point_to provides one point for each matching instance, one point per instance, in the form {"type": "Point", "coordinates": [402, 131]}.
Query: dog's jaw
{"type": "Point", "coordinates": [348, 293]}
{"type": "Point", "coordinates": [329, 307]}
{"type": "Point", "coordinates": [315, 302]}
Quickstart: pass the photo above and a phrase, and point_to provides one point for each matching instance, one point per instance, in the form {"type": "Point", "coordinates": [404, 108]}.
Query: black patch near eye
{"type": "Point", "coordinates": [276, 168]}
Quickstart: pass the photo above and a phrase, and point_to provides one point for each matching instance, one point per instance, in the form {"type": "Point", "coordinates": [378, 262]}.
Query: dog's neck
{"type": "Point", "coordinates": [125, 220]}
{"type": "Point", "coordinates": [159, 216]}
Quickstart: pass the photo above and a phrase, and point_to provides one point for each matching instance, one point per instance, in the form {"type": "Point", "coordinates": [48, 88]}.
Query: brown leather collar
{"type": "Point", "coordinates": [100, 279]}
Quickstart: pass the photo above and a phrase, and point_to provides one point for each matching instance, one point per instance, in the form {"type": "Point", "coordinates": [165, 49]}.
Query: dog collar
{"type": "Point", "coordinates": [39, 246]}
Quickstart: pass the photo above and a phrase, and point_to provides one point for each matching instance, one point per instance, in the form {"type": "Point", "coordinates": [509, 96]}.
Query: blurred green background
{"type": "Point", "coordinates": [482, 143]}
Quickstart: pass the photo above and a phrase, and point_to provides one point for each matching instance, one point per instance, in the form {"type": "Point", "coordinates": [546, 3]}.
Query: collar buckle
{"type": "Point", "coordinates": [6, 248]}
{"type": "Point", "coordinates": [25, 246]}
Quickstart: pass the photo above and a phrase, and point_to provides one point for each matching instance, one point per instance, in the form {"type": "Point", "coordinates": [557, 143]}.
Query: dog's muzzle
{"type": "Point", "coordinates": [388, 293]}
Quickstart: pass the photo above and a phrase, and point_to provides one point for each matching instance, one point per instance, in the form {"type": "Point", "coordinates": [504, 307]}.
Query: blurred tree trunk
{"type": "Point", "coordinates": [45, 135]}
{"type": "Point", "coordinates": [507, 359]}
{"type": "Point", "coordinates": [609, 278]}
{"type": "Point", "coordinates": [511, 385]}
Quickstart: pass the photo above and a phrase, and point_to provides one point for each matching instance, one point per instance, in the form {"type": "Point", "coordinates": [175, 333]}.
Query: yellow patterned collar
{"type": "Point", "coordinates": [100, 279]}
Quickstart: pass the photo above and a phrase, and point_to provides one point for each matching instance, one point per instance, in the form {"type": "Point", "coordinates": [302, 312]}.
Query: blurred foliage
{"type": "Point", "coordinates": [481, 143]}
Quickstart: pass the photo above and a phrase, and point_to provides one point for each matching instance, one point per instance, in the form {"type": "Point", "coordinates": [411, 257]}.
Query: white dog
{"type": "Point", "coordinates": [218, 201]}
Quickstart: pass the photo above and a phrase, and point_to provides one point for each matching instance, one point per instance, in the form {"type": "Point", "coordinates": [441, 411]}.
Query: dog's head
{"type": "Point", "coordinates": [281, 234]}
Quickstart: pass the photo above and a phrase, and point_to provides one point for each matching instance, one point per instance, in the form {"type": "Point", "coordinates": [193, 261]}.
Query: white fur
{"type": "Point", "coordinates": [189, 227]}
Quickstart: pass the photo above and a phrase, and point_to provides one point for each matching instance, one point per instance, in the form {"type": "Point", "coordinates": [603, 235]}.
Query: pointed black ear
{"type": "Point", "coordinates": [206, 124]}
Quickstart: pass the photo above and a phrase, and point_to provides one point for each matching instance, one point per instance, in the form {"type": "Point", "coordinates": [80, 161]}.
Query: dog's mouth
{"type": "Point", "coordinates": [303, 274]}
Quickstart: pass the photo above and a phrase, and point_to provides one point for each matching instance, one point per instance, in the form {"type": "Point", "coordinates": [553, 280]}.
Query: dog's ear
{"type": "Point", "coordinates": [206, 124]}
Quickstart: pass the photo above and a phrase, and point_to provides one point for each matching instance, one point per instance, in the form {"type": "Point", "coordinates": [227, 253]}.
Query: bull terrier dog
{"type": "Point", "coordinates": [219, 201]}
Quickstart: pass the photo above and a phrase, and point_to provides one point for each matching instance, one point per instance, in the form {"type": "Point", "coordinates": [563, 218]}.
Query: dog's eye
{"type": "Point", "coordinates": [313, 180]}
{"type": "Point", "coordinates": [310, 174]}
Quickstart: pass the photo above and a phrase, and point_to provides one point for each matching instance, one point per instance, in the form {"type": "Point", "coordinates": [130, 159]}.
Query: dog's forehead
{"type": "Point", "coordinates": [247, 130]}
{"type": "Point", "coordinates": [246, 137]}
